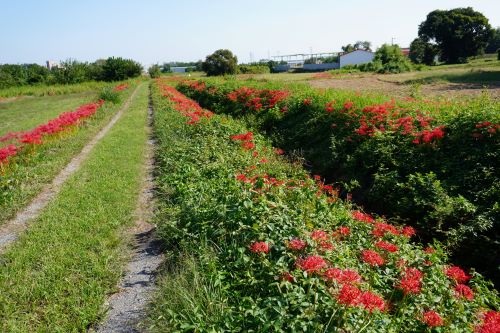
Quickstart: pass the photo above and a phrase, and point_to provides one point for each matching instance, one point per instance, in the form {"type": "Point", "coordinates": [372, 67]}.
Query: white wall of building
{"type": "Point", "coordinates": [356, 57]}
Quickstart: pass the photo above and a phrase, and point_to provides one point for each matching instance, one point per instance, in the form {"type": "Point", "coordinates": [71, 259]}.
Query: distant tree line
{"type": "Point", "coordinates": [69, 72]}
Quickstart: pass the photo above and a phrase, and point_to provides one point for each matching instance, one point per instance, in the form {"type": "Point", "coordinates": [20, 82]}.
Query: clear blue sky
{"type": "Point", "coordinates": [153, 31]}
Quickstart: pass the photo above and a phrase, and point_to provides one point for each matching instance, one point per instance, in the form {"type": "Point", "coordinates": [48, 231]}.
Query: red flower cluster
{"type": "Point", "coordinates": [411, 282]}
{"type": "Point", "coordinates": [311, 264]}
{"type": "Point", "coordinates": [6, 152]}
{"type": "Point", "coordinates": [259, 247]}
{"type": "Point", "coordinates": [360, 216]}
{"type": "Point", "coordinates": [461, 290]}
{"type": "Point", "coordinates": [491, 323]}
{"type": "Point", "coordinates": [296, 244]}
{"type": "Point", "coordinates": [121, 87]}
{"type": "Point", "coordinates": [386, 246]}
{"type": "Point", "coordinates": [346, 276]}
{"type": "Point", "coordinates": [184, 105]}
{"type": "Point", "coordinates": [257, 99]}
{"type": "Point", "coordinates": [457, 274]}
{"type": "Point", "coordinates": [352, 296]}
{"type": "Point", "coordinates": [432, 319]}
{"type": "Point", "coordinates": [319, 235]}
{"type": "Point", "coordinates": [246, 139]}
{"type": "Point", "coordinates": [373, 258]}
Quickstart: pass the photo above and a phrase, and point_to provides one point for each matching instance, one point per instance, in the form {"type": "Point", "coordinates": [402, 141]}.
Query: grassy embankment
{"type": "Point", "coordinates": [56, 277]}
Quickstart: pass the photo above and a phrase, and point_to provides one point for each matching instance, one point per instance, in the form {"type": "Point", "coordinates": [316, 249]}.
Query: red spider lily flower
{"type": "Point", "coordinates": [278, 151]}
{"type": "Point", "coordinates": [372, 258]}
{"type": "Point", "coordinates": [243, 137]}
{"type": "Point", "coordinates": [386, 246]}
{"type": "Point", "coordinates": [349, 295]}
{"type": "Point", "coordinates": [241, 177]}
{"type": "Point", "coordinates": [372, 302]}
{"type": "Point", "coordinates": [341, 232]}
{"type": "Point", "coordinates": [259, 247]}
{"type": "Point", "coordinates": [411, 282]}
{"type": "Point", "coordinates": [121, 87]}
{"type": "Point", "coordinates": [457, 274]}
{"type": "Point", "coordinates": [311, 264]}
{"type": "Point", "coordinates": [429, 250]}
{"type": "Point", "coordinates": [432, 319]}
{"type": "Point", "coordinates": [306, 101]}
{"type": "Point", "coordinates": [346, 276]}
{"type": "Point", "coordinates": [360, 216]}
{"type": "Point", "coordinates": [325, 246]}
{"type": "Point", "coordinates": [319, 235]}
{"type": "Point", "coordinates": [461, 290]}
{"type": "Point", "coordinates": [348, 105]}
{"type": "Point", "coordinates": [329, 106]}
{"type": "Point", "coordinates": [408, 232]}
{"type": "Point", "coordinates": [490, 324]}
{"type": "Point", "coordinates": [383, 228]}
{"type": "Point", "coordinates": [296, 244]}
{"type": "Point", "coordinates": [255, 154]}
{"type": "Point", "coordinates": [286, 276]}
{"type": "Point", "coordinates": [6, 152]}
{"type": "Point", "coordinates": [248, 145]}
{"type": "Point", "coordinates": [263, 161]}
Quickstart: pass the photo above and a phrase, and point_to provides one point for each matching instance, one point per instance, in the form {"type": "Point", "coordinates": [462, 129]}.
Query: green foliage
{"type": "Point", "coordinates": [389, 59]}
{"type": "Point", "coordinates": [253, 69]}
{"type": "Point", "coordinates": [359, 45]}
{"type": "Point", "coordinates": [217, 198]}
{"type": "Point", "coordinates": [459, 33]}
{"type": "Point", "coordinates": [422, 52]}
{"type": "Point", "coordinates": [108, 94]}
{"type": "Point", "coordinates": [448, 189]}
{"type": "Point", "coordinates": [220, 62]}
{"type": "Point", "coordinates": [118, 69]}
{"type": "Point", "coordinates": [154, 71]}
{"type": "Point", "coordinates": [494, 42]}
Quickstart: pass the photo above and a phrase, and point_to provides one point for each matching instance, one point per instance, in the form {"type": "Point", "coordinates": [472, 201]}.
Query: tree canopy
{"type": "Point", "coordinates": [220, 62]}
{"type": "Point", "coordinates": [458, 33]}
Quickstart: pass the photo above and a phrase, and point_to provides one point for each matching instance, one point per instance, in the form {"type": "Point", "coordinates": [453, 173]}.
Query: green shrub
{"type": "Point", "coordinates": [154, 71]}
{"type": "Point", "coordinates": [109, 95]}
{"type": "Point", "coordinates": [253, 69]}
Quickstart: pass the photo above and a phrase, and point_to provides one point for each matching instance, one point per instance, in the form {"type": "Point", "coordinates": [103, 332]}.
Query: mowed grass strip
{"type": "Point", "coordinates": [56, 277]}
{"type": "Point", "coordinates": [38, 169]}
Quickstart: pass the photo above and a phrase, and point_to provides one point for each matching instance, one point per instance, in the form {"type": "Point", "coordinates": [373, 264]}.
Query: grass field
{"type": "Point", "coordinates": [56, 277]}
{"type": "Point", "coordinates": [51, 90]}
{"type": "Point", "coordinates": [26, 113]}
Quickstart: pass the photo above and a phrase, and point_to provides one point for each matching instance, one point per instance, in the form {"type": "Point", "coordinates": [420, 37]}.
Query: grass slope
{"type": "Point", "coordinates": [56, 277]}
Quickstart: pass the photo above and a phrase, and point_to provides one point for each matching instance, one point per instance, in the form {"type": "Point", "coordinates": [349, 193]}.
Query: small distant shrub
{"type": "Point", "coordinates": [253, 69]}
{"type": "Point", "coordinates": [154, 71]}
{"type": "Point", "coordinates": [109, 95]}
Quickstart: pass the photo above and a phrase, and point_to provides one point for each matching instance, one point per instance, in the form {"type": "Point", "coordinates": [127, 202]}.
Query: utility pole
{"type": "Point", "coordinates": [392, 40]}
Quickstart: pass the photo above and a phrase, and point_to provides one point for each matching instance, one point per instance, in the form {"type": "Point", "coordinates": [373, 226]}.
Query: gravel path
{"type": "Point", "coordinates": [127, 307]}
{"type": "Point", "coordinates": [10, 231]}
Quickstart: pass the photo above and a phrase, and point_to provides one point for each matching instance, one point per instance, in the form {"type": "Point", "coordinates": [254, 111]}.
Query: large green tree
{"type": "Point", "coordinates": [422, 52]}
{"type": "Point", "coordinates": [220, 62]}
{"type": "Point", "coordinates": [494, 42]}
{"type": "Point", "coordinates": [459, 33]}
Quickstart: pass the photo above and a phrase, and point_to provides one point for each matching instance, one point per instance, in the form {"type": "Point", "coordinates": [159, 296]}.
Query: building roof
{"type": "Point", "coordinates": [343, 54]}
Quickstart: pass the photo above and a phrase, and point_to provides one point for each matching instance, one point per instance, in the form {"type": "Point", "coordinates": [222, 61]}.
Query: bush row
{"type": "Point", "coordinates": [69, 72]}
{"type": "Point", "coordinates": [285, 254]}
{"type": "Point", "coordinates": [433, 165]}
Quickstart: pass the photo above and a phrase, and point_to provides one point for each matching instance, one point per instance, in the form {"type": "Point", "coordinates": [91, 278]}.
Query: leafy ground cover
{"type": "Point", "coordinates": [258, 245]}
{"type": "Point", "coordinates": [56, 276]}
{"type": "Point", "coordinates": [430, 164]}
{"type": "Point", "coordinates": [30, 159]}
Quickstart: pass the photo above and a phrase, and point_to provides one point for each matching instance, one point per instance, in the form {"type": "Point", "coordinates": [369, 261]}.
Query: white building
{"type": "Point", "coordinates": [356, 57]}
